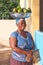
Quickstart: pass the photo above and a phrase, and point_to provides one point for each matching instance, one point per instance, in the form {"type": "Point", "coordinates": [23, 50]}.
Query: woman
{"type": "Point", "coordinates": [22, 45]}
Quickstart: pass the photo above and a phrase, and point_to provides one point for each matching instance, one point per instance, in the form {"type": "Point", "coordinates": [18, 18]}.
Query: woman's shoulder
{"type": "Point", "coordinates": [28, 32]}
{"type": "Point", "coordinates": [14, 34]}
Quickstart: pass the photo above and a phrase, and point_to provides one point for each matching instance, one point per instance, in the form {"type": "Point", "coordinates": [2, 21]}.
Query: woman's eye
{"type": "Point", "coordinates": [21, 23]}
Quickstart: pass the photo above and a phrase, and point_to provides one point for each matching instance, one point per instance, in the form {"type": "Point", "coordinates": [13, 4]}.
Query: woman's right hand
{"type": "Point", "coordinates": [29, 56]}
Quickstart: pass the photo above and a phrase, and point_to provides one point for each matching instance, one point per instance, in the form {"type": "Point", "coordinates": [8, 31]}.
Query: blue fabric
{"type": "Point", "coordinates": [23, 43]}
{"type": "Point", "coordinates": [39, 44]}
{"type": "Point", "coordinates": [17, 20]}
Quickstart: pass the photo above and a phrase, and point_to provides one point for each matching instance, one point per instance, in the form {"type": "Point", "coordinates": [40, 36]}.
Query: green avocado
{"type": "Point", "coordinates": [20, 10]}
{"type": "Point", "coordinates": [29, 10]}
{"type": "Point", "coordinates": [25, 10]}
{"type": "Point", "coordinates": [14, 10]}
{"type": "Point", "coordinates": [18, 7]}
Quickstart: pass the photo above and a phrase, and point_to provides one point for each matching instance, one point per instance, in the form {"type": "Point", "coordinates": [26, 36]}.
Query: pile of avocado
{"type": "Point", "coordinates": [18, 9]}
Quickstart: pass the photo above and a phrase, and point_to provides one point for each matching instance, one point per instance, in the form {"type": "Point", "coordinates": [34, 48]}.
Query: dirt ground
{"type": "Point", "coordinates": [4, 56]}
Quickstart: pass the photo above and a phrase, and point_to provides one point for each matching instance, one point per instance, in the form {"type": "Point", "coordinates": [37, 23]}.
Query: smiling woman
{"type": "Point", "coordinates": [6, 7]}
{"type": "Point", "coordinates": [21, 43]}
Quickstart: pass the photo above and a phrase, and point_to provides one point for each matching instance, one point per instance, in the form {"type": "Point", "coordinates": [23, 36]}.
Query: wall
{"type": "Point", "coordinates": [35, 6]}
{"type": "Point", "coordinates": [6, 27]}
{"type": "Point", "coordinates": [41, 15]}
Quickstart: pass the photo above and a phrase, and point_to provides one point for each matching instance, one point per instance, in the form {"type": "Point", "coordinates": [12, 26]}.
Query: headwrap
{"type": "Point", "coordinates": [19, 20]}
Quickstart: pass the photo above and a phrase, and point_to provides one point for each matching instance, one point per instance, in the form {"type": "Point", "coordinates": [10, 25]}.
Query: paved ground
{"type": "Point", "coordinates": [4, 56]}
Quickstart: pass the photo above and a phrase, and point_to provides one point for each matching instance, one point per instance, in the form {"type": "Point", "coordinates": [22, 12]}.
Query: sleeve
{"type": "Point", "coordinates": [13, 34]}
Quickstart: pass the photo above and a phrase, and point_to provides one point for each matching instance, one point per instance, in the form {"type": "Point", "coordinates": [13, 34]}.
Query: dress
{"type": "Point", "coordinates": [24, 44]}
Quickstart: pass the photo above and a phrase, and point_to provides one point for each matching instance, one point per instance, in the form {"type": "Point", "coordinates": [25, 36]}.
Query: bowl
{"type": "Point", "coordinates": [20, 15]}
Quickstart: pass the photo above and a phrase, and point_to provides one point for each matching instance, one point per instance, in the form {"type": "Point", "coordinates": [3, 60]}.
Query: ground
{"type": "Point", "coordinates": [4, 56]}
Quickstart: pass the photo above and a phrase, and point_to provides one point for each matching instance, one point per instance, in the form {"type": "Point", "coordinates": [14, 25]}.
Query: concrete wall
{"type": "Point", "coordinates": [35, 16]}
{"type": "Point", "coordinates": [6, 27]}
{"type": "Point", "coordinates": [35, 6]}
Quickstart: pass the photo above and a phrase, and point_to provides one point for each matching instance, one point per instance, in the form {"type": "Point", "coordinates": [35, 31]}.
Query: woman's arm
{"type": "Point", "coordinates": [13, 44]}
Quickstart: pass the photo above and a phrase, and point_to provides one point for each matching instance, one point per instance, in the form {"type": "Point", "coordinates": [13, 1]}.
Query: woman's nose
{"type": "Point", "coordinates": [23, 24]}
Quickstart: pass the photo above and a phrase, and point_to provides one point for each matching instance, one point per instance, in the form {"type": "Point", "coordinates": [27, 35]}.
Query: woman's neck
{"type": "Point", "coordinates": [20, 31]}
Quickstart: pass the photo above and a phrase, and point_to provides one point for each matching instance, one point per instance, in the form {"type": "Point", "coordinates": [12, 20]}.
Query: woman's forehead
{"type": "Point", "coordinates": [22, 20]}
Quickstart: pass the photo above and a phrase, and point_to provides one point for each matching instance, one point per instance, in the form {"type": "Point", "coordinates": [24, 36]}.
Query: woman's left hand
{"type": "Point", "coordinates": [29, 56]}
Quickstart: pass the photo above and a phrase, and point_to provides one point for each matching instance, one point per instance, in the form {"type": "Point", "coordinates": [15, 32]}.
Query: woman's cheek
{"type": "Point", "coordinates": [23, 27]}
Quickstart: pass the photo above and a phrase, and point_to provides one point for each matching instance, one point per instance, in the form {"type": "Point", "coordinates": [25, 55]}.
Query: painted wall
{"type": "Point", "coordinates": [35, 6]}
{"type": "Point", "coordinates": [6, 27]}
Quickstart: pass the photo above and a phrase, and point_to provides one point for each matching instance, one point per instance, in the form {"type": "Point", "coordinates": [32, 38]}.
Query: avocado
{"type": "Point", "coordinates": [14, 10]}
{"type": "Point", "coordinates": [29, 10]}
{"type": "Point", "coordinates": [20, 10]}
{"type": "Point", "coordinates": [25, 10]}
{"type": "Point", "coordinates": [18, 7]}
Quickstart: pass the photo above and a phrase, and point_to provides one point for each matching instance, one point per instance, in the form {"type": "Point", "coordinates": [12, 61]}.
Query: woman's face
{"type": "Point", "coordinates": [21, 25]}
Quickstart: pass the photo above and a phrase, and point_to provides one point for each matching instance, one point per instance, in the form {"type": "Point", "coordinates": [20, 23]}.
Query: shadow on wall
{"type": "Point", "coordinates": [41, 15]}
